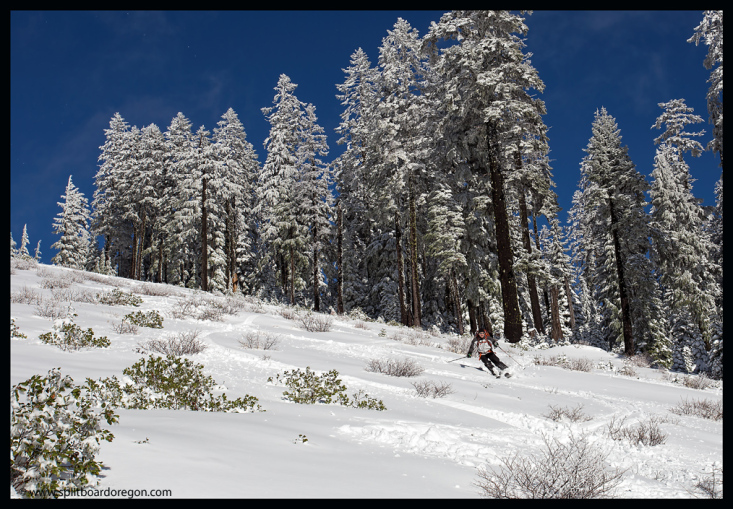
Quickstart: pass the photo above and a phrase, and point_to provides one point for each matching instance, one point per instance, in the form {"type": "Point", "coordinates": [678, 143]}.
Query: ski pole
{"type": "Point", "coordinates": [512, 358]}
{"type": "Point", "coordinates": [459, 358]}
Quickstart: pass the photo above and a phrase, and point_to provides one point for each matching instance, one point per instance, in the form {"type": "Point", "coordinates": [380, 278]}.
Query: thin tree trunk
{"type": "Point", "coordinates": [292, 276]}
{"type": "Point", "coordinates": [416, 312]}
{"type": "Point", "coordinates": [316, 298]}
{"type": "Point", "coordinates": [537, 245]}
{"type": "Point", "coordinates": [472, 315]}
{"type": "Point", "coordinates": [339, 260]}
{"type": "Point", "coordinates": [510, 300]}
{"type": "Point", "coordinates": [456, 303]}
{"type": "Point", "coordinates": [533, 298]}
{"type": "Point", "coordinates": [556, 331]}
{"type": "Point", "coordinates": [204, 239]}
{"type": "Point", "coordinates": [570, 303]}
{"type": "Point", "coordinates": [623, 294]}
{"type": "Point", "coordinates": [400, 270]}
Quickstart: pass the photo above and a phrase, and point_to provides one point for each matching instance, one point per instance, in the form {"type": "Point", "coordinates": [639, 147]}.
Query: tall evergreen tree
{"type": "Point", "coordinates": [614, 204]}
{"type": "Point", "coordinates": [72, 224]}
{"type": "Point", "coordinates": [487, 79]}
{"type": "Point", "coordinates": [282, 227]}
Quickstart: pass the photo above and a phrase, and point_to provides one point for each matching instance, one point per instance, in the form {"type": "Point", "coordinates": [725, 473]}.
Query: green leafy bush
{"type": "Point", "coordinates": [150, 319]}
{"type": "Point", "coordinates": [54, 435]}
{"type": "Point", "coordinates": [309, 388]}
{"type": "Point", "coordinates": [119, 298]}
{"type": "Point", "coordinates": [68, 336]}
{"type": "Point", "coordinates": [170, 382]}
{"type": "Point", "coordinates": [15, 331]}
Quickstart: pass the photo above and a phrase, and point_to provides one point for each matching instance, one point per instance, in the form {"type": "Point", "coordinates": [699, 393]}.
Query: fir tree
{"type": "Point", "coordinates": [72, 224]}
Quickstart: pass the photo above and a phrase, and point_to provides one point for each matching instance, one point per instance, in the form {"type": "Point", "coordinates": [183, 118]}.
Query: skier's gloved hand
{"type": "Point", "coordinates": [468, 355]}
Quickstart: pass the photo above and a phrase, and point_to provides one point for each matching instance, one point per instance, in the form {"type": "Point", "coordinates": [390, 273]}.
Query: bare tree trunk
{"type": "Point", "coordinates": [556, 331]}
{"type": "Point", "coordinates": [204, 239]}
{"type": "Point", "coordinates": [570, 303]}
{"type": "Point", "coordinates": [292, 276]}
{"type": "Point", "coordinates": [456, 303]}
{"type": "Point", "coordinates": [339, 260]}
{"type": "Point", "coordinates": [510, 300]}
{"type": "Point", "coordinates": [472, 315]}
{"type": "Point", "coordinates": [400, 271]}
{"type": "Point", "coordinates": [416, 312]}
{"type": "Point", "coordinates": [622, 290]}
{"type": "Point", "coordinates": [533, 298]}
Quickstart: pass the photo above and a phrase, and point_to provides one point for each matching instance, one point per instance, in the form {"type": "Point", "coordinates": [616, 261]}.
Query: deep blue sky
{"type": "Point", "coordinates": [71, 71]}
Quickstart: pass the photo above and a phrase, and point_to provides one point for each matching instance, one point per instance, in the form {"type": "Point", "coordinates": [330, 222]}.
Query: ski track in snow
{"type": "Point", "coordinates": [495, 430]}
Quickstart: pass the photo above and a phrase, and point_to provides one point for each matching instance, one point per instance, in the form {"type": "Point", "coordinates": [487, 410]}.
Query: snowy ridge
{"type": "Point", "coordinates": [417, 448]}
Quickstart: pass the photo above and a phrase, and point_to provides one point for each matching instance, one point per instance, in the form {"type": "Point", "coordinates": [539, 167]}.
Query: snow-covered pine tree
{"type": "Point", "coordinates": [108, 206]}
{"type": "Point", "coordinates": [204, 166]}
{"type": "Point", "coordinates": [185, 224]}
{"type": "Point", "coordinates": [37, 253]}
{"type": "Point", "coordinates": [487, 79]}
{"type": "Point", "coordinates": [283, 232]}
{"type": "Point", "coordinates": [314, 195]}
{"type": "Point", "coordinates": [358, 96]}
{"type": "Point", "coordinates": [233, 185]}
{"type": "Point", "coordinates": [681, 244]}
{"type": "Point", "coordinates": [13, 249]}
{"type": "Point", "coordinates": [618, 232]}
{"type": "Point", "coordinates": [401, 133]}
{"type": "Point", "coordinates": [146, 186]}
{"type": "Point", "coordinates": [23, 250]}
{"type": "Point", "coordinates": [710, 30]}
{"type": "Point", "coordinates": [72, 224]}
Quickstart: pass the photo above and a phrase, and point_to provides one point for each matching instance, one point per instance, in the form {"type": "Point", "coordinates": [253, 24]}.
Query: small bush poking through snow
{"type": "Point", "coordinates": [182, 343]}
{"type": "Point", "coordinates": [315, 322]}
{"type": "Point", "coordinates": [644, 432]}
{"type": "Point", "coordinates": [705, 408]}
{"type": "Point", "coordinates": [309, 388]}
{"type": "Point", "coordinates": [54, 435]}
{"type": "Point", "coordinates": [572, 469]}
{"type": "Point", "coordinates": [117, 297]}
{"type": "Point", "coordinates": [150, 319]}
{"type": "Point", "coordinates": [68, 336]}
{"type": "Point", "coordinates": [171, 382]}
{"type": "Point", "coordinates": [259, 340]}
{"type": "Point", "coordinates": [432, 389]}
{"type": "Point", "coordinates": [395, 367]}
{"type": "Point", "coordinates": [575, 415]}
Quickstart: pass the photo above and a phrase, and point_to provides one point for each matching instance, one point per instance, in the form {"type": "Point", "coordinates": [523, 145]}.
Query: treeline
{"type": "Point", "coordinates": [439, 212]}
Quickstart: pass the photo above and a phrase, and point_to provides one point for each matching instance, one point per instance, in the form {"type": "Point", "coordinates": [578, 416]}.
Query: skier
{"type": "Point", "coordinates": [484, 342]}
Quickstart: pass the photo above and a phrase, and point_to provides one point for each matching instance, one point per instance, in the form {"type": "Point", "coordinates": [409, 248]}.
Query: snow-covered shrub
{"type": "Point", "coordinates": [644, 432]}
{"type": "Point", "coordinates": [573, 415]}
{"type": "Point", "coordinates": [183, 343]}
{"type": "Point", "coordinates": [563, 469]}
{"type": "Point", "coordinates": [171, 382]}
{"type": "Point", "coordinates": [712, 485]}
{"type": "Point", "coordinates": [150, 319]}
{"type": "Point", "coordinates": [54, 282]}
{"type": "Point", "coordinates": [54, 435]}
{"type": "Point", "coordinates": [26, 296]}
{"type": "Point", "coordinates": [154, 290]}
{"type": "Point", "coordinates": [50, 309]}
{"type": "Point", "coordinates": [117, 297]}
{"type": "Point", "coordinates": [430, 388]}
{"type": "Point", "coordinates": [309, 388]}
{"type": "Point", "coordinates": [68, 336]}
{"type": "Point", "coordinates": [395, 367]}
{"type": "Point", "coordinates": [315, 322]}
{"type": "Point", "coordinates": [705, 408]}
{"type": "Point", "coordinates": [259, 340]}
{"type": "Point", "coordinates": [700, 381]}
{"type": "Point", "coordinates": [459, 344]}
{"type": "Point", "coordinates": [578, 364]}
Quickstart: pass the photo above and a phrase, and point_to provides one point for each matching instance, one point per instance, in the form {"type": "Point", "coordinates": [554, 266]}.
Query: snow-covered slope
{"type": "Point", "coordinates": [418, 447]}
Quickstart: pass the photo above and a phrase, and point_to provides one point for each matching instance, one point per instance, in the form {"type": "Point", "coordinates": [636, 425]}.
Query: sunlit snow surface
{"type": "Point", "coordinates": [417, 448]}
